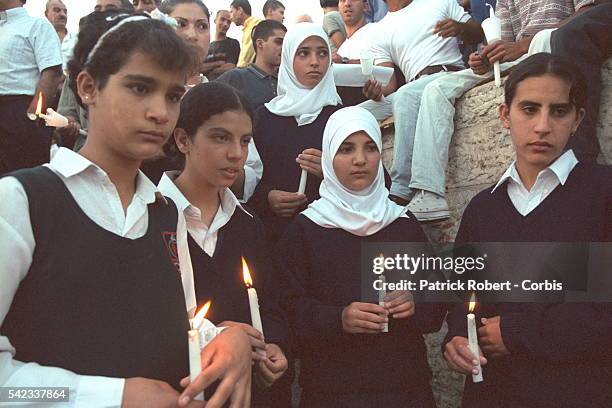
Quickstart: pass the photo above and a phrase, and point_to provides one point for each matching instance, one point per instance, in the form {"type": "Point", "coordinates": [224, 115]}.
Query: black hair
{"type": "Point", "coordinates": [542, 64]}
{"type": "Point", "coordinates": [153, 38]}
{"type": "Point", "coordinates": [167, 7]}
{"type": "Point", "coordinates": [264, 30]}
{"type": "Point", "coordinates": [243, 4]}
{"type": "Point", "coordinates": [329, 3]}
{"type": "Point", "coordinates": [201, 103]}
{"type": "Point", "coordinates": [271, 5]}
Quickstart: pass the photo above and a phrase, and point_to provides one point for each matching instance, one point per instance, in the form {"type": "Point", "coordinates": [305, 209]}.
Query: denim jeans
{"type": "Point", "coordinates": [424, 112]}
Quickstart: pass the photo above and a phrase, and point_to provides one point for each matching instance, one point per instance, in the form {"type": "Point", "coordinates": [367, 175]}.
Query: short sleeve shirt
{"type": "Point", "coordinates": [525, 18]}
{"type": "Point", "coordinates": [332, 23]}
{"type": "Point", "coordinates": [406, 38]}
{"type": "Point", "coordinates": [28, 45]}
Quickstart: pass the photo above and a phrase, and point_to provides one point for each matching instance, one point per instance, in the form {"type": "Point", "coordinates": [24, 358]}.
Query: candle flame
{"type": "Point", "coordinates": [472, 302]}
{"type": "Point", "coordinates": [246, 275]}
{"type": "Point", "coordinates": [39, 104]}
{"type": "Point", "coordinates": [198, 319]}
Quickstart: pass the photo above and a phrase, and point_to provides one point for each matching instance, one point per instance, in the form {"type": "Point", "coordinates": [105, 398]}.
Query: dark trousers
{"type": "Point", "coordinates": [23, 143]}
{"type": "Point", "coordinates": [587, 41]}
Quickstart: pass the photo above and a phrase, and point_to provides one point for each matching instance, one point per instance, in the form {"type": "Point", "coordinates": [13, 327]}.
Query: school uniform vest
{"type": "Point", "coordinates": [96, 303]}
{"type": "Point", "coordinates": [219, 278]}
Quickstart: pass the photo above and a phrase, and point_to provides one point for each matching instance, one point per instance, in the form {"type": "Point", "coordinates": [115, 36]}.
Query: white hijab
{"type": "Point", "coordinates": [293, 98]}
{"type": "Point", "coordinates": [362, 212]}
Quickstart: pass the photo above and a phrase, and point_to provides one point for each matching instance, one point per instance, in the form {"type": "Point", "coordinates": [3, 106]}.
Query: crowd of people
{"type": "Point", "coordinates": [181, 159]}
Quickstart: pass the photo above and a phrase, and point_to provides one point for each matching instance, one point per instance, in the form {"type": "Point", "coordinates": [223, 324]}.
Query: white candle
{"type": "Point", "coordinates": [473, 339]}
{"type": "Point", "coordinates": [382, 293]}
{"type": "Point", "coordinates": [253, 302]}
{"type": "Point", "coordinates": [195, 345]}
{"type": "Point", "coordinates": [492, 29]}
{"type": "Point", "coordinates": [303, 179]}
{"type": "Point", "coordinates": [195, 364]}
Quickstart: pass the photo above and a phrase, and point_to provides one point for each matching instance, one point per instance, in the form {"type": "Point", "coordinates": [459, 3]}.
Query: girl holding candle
{"type": "Point", "coordinates": [346, 359]}
{"type": "Point", "coordinates": [540, 354]}
{"type": "Point", "coordinates": [210, 146]}
{"type": "Point", "coordinates": [87, 245]}
{"type": "Point", "coordinates": [289, 128]}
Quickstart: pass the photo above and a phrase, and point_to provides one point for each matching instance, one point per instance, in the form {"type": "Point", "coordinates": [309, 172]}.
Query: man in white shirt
{"type": "Point", "coordinates": [31, 61]}
{"type": "Point", "coordinates": [57, 14]}
{"type": "Point", "coordinates": [419, 37]}
{"type": "Point", "coordinates": [526, 29]}
{"type": "Point", "coordinates": [358, 31]}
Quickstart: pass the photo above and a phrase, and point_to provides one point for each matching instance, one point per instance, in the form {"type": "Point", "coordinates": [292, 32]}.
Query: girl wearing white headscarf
{"type": "Point", "coordinates": [289, 128]}
{"type": "Point", "coordinates": [346, 358]}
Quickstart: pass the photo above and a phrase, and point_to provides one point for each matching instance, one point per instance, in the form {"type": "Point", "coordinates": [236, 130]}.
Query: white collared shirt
{"type": "Point", "coordinates": [525, 201]}
{"type": "Point", "coordinates": [96, 195]}
{"type": "Point", "coordinates": [206, 237]}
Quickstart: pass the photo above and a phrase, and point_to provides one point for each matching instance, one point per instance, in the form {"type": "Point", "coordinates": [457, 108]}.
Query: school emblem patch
{"type": "Point", "coordinates": [169, 238]}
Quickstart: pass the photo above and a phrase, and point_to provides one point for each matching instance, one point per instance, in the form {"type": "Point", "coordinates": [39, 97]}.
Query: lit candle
{"type": "Point", "coordinates": [492, 30]}
{"type": "Point", "coordinates": [36, 115]}
{"type": "Point", "coordinates": [303, 179]}
{"type": "Point", "coordinates": [253, 302]}
{"type": "Point", "coordinates": [194, 341]}
{"type": "Point", "coordinates": [473, 338]}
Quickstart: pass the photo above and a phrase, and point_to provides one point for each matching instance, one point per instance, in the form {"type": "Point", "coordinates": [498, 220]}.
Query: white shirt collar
{"type": "Point", "coordinates": [69, 164]}
{"type": "Point", "coordinates": [229, 202]}
{"type": "Point", "coordinates": [561, 168]}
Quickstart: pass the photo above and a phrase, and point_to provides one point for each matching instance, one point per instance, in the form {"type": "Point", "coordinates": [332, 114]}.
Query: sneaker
{"type": "Point", "coordinates": [427, 206]}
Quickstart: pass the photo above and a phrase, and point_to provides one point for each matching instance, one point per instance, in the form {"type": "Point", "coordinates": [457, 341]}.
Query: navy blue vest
{"type": "Point", "coordinates": [96, 303]}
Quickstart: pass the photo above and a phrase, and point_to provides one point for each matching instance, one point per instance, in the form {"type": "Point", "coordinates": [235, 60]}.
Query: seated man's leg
{"type": "Point", "coordinates": [434, 129]}
{"type": "Point", "coordinates": [586, 40]}
{"type": "Point", "coordinates": [406, 103]}
{"type": "Point", "coordinates": [381, 110]}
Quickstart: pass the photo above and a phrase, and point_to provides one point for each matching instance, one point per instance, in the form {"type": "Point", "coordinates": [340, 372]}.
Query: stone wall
{"type": "Point", "coordinates": [480, 152]}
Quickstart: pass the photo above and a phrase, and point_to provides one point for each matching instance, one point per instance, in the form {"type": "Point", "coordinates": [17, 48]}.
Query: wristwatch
{"type": "Point", "coordinates": [345, 60]}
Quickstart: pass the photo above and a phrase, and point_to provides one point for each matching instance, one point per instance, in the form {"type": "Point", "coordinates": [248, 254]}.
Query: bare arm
{"type": "Point", "coordinates": [337, 39]}
{"type": "Point", "coordinates": [49, 80]}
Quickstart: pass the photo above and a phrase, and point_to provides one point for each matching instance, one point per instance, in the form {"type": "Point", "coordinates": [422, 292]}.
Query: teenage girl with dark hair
{"type": "Point", "coordinates": [91, 297]}
{"type": "Point", "coordinates": [290, 127]}
{"type": "Point", "coordinates": [540, 354]}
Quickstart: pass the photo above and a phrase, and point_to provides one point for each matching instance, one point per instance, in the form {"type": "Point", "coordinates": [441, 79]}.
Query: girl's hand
{"type": "Point", "coordinates": [285, 204]}
{"type": "Point", "coordinates": [361, 317]}
{"type": "Point", "coordinates": [310, 160]}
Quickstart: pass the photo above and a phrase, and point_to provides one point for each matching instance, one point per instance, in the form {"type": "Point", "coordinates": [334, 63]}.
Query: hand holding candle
{"type": "Point", "coordinates": [473, 339]}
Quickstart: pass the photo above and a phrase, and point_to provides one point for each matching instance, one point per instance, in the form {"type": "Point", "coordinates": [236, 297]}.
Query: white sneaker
{"type": "Point", "coordinates": [427, 206]}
